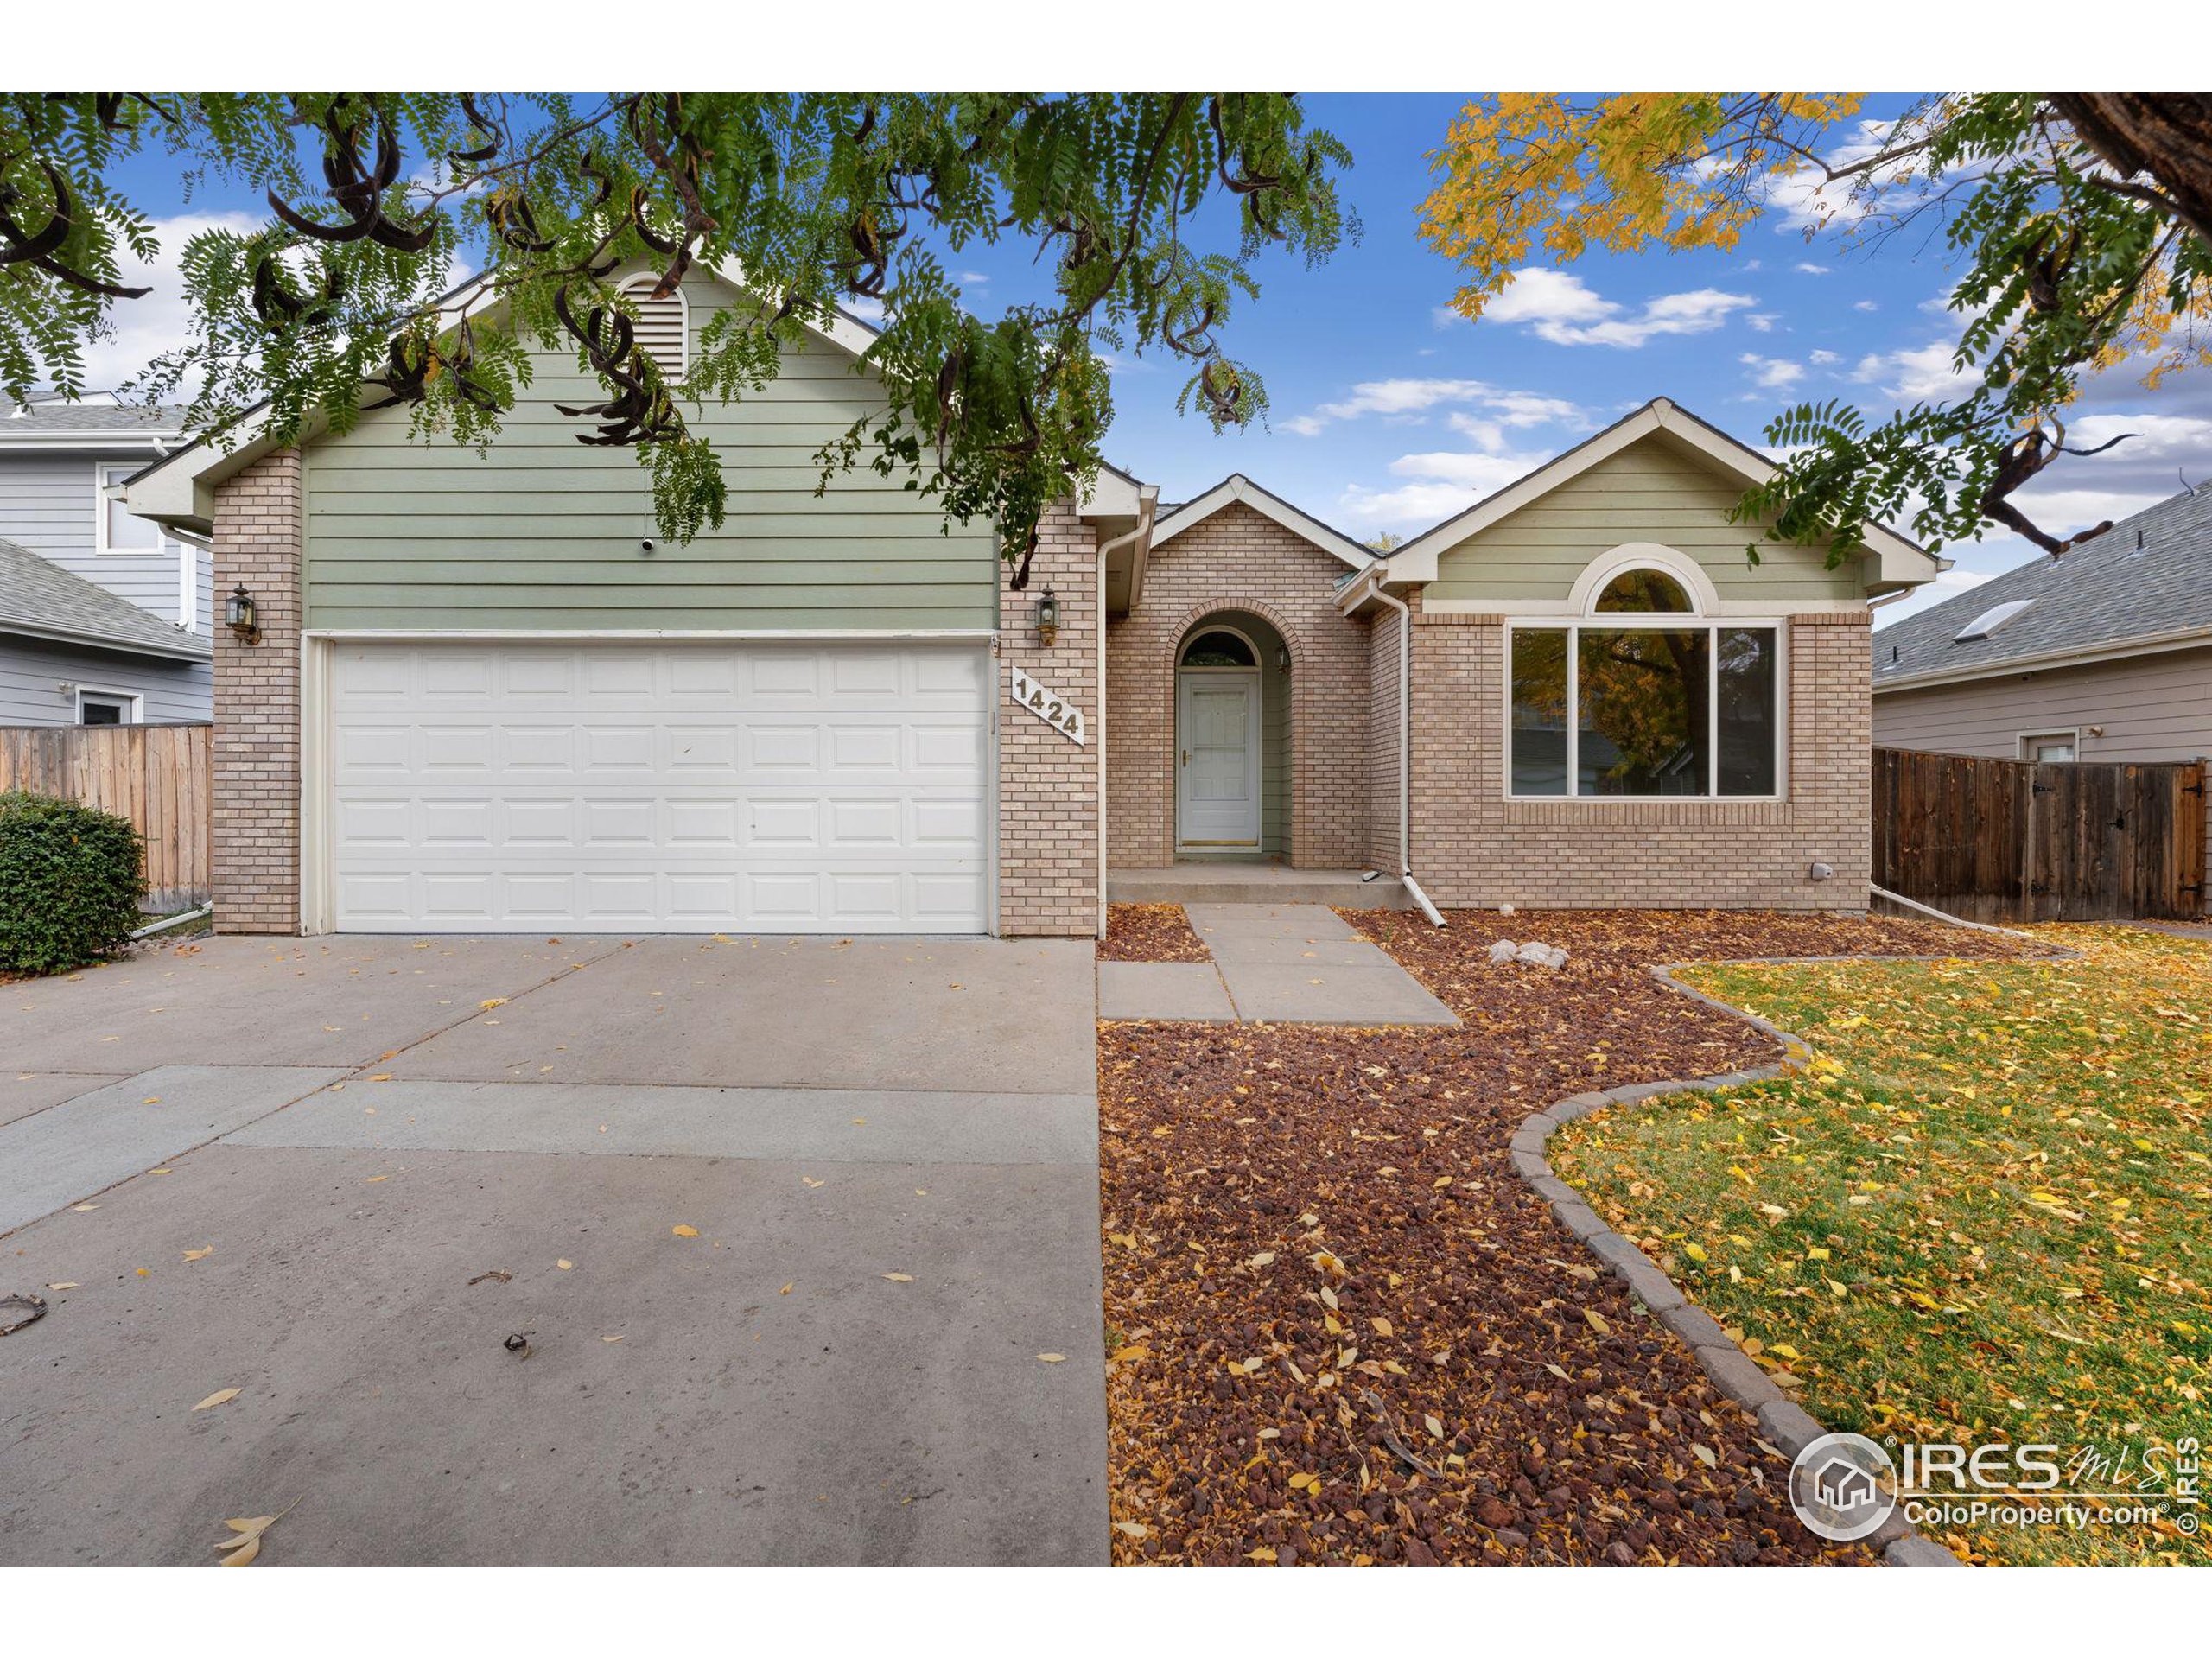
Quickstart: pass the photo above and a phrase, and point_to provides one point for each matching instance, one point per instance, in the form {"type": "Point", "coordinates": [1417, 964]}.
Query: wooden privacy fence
{"type": "Point", "coordinates": [2040, 842]}
{"type": "Point", "coordinates": [155, 776]}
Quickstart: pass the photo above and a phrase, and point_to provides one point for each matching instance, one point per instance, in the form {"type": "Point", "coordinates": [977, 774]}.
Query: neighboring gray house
{"type": "Point", "coordinates": [2103, 653]}
{"type": "Point", "coordinates": [104, 617]}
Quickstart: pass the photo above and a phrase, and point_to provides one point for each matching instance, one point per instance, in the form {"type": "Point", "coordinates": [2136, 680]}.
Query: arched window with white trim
{"type": "Point", "coordinates": [664, 326]}
{"type": "Point", "coordinates": [1646, 695]}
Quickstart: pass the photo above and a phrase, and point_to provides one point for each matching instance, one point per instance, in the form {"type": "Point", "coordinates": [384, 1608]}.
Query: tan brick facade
{"type": "Point", "coordinates": [1048, 784]}
{"type": "Point", "coordinates": [1239, 560]}
{"type": "Point", "coordinates": [1472, 847]}
{"type": "Point", "coordinates": [255, 789]}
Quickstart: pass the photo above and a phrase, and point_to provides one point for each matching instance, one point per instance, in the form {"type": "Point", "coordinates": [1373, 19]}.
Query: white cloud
{"type": "Point", "coordinates": [1440, 484]}
{"type": "Point", "coordinates": [1810, 268]}
{"type": "Point", "coordinates": [1763, 322]}
{"type": "Point", "coordinates": [1557, 306]}
{"type": "Point", "coordinates": [143, 328]}
{"type": "Point", "coordinates": [1916, 374]}
{"type": "Point", "coordinates": [865, 308]}
{"type": "Point", "coordinates": [1409, 398]}
{"type": "Point", "coordinates": [1773, 374]}
{"type": "Point", "coordinates": [1822, 360]}
{"type": "Point", "coordinates": [971, 278]}
{"type": "Point", "coordinates": [1864, 305]}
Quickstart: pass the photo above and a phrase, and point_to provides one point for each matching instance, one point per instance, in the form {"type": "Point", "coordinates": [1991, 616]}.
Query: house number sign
{"type": "Point", "coordinates": [1048, 706]}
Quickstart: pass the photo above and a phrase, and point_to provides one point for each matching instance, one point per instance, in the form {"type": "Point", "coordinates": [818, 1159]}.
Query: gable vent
{"type": "Point", "coordinates": [1990, 620]}
{"type": "Point", "coordinates": [664, 326]}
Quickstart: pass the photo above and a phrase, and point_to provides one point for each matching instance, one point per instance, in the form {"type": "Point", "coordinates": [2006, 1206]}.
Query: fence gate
{"type": "Point", "coordinates": [2029, 840]}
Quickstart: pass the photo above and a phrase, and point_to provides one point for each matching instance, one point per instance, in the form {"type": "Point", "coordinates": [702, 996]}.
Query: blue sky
{"type": "Point", "coordinates": [1389, 415]}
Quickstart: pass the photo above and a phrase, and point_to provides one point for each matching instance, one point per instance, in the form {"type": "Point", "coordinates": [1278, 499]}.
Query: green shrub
{"type": "Point", "coordinates": [70, 882]}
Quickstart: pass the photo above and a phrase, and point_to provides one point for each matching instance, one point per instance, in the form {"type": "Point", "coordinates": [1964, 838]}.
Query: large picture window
{"type": "Point", "coordinates": [1645, 700]}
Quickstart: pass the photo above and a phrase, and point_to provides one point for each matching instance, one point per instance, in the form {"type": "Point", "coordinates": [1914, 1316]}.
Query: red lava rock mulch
{"type": "Point", "coordinates": [1150, 933]}
{"type": "Point", "coordinates": [1343, 1329]}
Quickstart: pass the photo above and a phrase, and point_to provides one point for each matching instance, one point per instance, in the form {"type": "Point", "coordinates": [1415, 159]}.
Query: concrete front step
{"type": "Point", "coordinates": [1254, 884]}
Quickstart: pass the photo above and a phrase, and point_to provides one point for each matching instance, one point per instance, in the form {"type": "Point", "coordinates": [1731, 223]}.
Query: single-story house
{"type": "Point", "coordinates": [480, 696]}
{"type": "Point", "coordinates": [104, 618]}
{"type": "Point", "coordinates": [2103, 653]}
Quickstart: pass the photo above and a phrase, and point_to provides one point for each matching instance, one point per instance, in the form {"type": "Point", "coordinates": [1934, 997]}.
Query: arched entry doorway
{"type": "Point", "coordinates": [1232, 747]}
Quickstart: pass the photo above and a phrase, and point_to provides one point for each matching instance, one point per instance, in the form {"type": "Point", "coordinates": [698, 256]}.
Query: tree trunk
{"type": "Point", "coordinates": [2167, 136]}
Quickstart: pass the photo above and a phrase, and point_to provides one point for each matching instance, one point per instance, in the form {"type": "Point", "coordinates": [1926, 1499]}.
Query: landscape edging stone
{"type": "Point", "coordinates": [1734, 1372]}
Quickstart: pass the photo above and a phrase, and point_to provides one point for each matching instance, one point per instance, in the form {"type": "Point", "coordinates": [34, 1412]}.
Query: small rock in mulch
{"type": "Point", "coordinates": [1316, 1246]}
{"type": "Point", "coordinates": [1150, 933]}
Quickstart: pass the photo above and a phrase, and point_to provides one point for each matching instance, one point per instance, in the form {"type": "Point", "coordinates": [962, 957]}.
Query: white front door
{"type": "Point", "coordinates": [507, 787]}
{"type": "Point", "coordinates": [1217, 758]}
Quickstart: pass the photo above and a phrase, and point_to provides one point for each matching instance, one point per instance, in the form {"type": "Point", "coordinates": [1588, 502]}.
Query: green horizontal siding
{"type": "Point", "coordinates": [541, 531]}
{"type": "Point", "coordinates": [1650, 492]}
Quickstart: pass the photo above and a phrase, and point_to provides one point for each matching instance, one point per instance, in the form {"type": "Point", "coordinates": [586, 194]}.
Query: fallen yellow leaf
{"type": "Point", "coordinates": [1051, 1359]}
{"type": "Point", "coordinates": [683, 1230]}
{"type": "Point", "coordinates": [900, 1278]}
{"type": "Point", "coordinates": [220, 1397]}
{"type": "Point", "coordinates": [243, 1555]}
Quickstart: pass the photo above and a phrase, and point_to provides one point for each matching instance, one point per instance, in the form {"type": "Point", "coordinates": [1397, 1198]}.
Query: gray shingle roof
{"type": "Point", "coordinates": [41, 598]}
{"type": "Point", "coordinates": [2091, 598]}
{"type": "Point", "coordinates": [94, 420]}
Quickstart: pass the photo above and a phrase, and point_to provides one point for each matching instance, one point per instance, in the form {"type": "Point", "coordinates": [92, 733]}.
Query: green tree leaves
{"type": "Point", "coordinates": [420, 245]}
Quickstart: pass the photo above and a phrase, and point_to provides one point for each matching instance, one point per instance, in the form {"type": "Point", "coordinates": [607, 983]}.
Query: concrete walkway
{"type": "Point", "coordinates": [883, 1153]}
{"type": "Point", "coordinates": [1300, 964]}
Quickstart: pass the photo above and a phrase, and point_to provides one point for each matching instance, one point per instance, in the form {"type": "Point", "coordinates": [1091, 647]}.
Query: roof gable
{"type": "Point", "coordinates": [1901, 561]}
{"type": "Point", "coordinates": [1237, 488]}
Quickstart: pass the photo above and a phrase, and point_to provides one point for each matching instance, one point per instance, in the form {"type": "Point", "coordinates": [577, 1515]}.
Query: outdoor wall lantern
{"type": "Point", "coordinates": [239, 612]}
{"type": "Point", "coordinates": [1048, 618]}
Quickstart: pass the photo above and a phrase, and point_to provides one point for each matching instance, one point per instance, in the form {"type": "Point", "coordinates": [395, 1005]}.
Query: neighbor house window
{"type": "Point", "coordinates": [1643, 699]}
{"type": "Point", "coordinates": [121, 531]}
{"type": "Point", "coordinates": [2050, 745]}
{"type": "Point", "coordinates": [106, 709]}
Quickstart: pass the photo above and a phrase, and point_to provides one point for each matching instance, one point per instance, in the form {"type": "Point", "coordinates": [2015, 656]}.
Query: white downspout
{"type": "Point", "coordinates": [1406, 751]}
{"type": "Point", "coordinates": [1148, 499]}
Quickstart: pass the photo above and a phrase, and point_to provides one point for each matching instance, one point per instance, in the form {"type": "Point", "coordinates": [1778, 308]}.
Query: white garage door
{"type": "Point", "coordinates": [682, 788]}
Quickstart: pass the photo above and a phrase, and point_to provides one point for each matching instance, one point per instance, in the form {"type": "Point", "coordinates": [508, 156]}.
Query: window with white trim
{"type": "Point", "coordinates": [2046, 746]}
{"type": "Point", "coordinates": [107, 708]}
{"type": "Point", "coordinates": [122, 530]}
{"type": "Point", "coordinates": [1645, 698]}
{"type": "Point", "coordinates": [664, 326]}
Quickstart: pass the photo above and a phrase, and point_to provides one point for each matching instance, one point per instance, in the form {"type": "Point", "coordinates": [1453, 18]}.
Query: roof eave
{"type": "Point", "coordinates": [2041, 662]}
{"type": "Point", "coordinates": [182, 652]}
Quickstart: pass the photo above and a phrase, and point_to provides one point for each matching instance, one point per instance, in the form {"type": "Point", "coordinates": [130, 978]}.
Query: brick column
{"type": "Point", "coordinates": [1048, 784]}
{"type": "Point", "coordinates": [254, 793]}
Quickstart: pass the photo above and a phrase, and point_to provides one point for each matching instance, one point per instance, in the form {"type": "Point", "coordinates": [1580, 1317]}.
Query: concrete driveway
{"type": "Point", "coordinates": [888, 1150]}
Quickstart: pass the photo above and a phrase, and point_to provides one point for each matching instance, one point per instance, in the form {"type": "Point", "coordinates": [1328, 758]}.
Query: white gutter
{"type": "Point", "coordinates": [1405, 749]}
{"type": "Point", "coordinates": [1147, 500]}
{"type": "Point", "coordinates": [179, 920]}
{"type": "Point", "coordinates": [1945, 915]}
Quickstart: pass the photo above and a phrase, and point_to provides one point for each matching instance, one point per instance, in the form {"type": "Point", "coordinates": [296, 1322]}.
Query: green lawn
{"type": "Point", "coordinates": [1984, 1214]}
